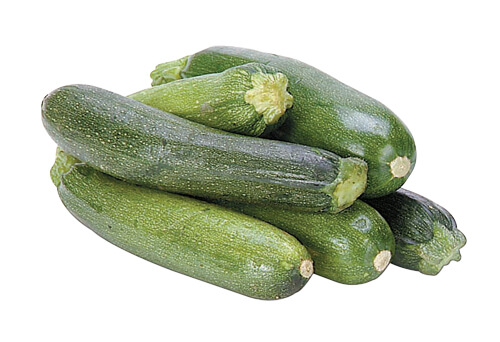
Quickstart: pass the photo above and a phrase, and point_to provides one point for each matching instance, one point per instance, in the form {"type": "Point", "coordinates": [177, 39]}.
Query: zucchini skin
{"type": "Point", "coordinates": [189, 236]}
{"type": "Point", "coordinates": [350, 247]}
{"type": "Point", "coordinates": [143, 145]}
{"type": "Point", "coordinates": [427, 237]}
{"type": "Point", "coordinates": [326, 113]}
{"type": "Point", "coordinates": [250, 99]}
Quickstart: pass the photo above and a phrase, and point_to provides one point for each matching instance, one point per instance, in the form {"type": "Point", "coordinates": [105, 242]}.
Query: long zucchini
{"type": "Point", "coordinates": [192, 237]}
{"type": "Point", "coordinates": [427, 238]}
{"type": "Point", "coordinates": [249, 99]}
{"type": "Point", "coordinates": [351, 247]}
{"type": "Point", "coordinates": [144, 145]}
{"type": "Point", "coordinates": [326, 113]}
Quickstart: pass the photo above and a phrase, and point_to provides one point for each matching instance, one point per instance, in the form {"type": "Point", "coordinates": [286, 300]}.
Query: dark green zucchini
{"type": "Point", "coordinates": [249, 99]}
{"type": "Point", "coordinates": [144, 145]}
{"type": "Point", "coordinates": [189, 236]}
{"type": "Point", "coordinates": [351, 247]}
{"type": "Point", "coordinates": [326, 113]}
{"type": "Point", "coordinates": [427, 238]}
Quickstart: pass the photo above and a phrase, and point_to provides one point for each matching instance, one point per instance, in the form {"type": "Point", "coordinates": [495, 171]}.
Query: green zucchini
{"type": "Point", "coordinates": [144, 145]}
{"type": "Point", "coordinates": [189, 236]}
{"type": "Point", "coordinates": [351, 247]}
{"type": "Point", "coordinates": [249, 99]}
{"type": "Point", "coordinates": [427, 238]}
{"type": "Point", "coordinates": [326, 113]}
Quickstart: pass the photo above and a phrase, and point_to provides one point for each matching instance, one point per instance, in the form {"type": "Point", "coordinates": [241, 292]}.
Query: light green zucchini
{"type": "Point", "coordinates": [204, 241]}
{"type": "Point", "coordinates": [249, 99]}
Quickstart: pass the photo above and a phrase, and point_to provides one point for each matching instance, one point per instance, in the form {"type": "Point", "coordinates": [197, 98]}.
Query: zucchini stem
{"type": "Point", "coordinates": [443, 248]}
{"type": "Point", "coordinates": [269, 95]}
{"type": "Point", "coordinates": [169, 71]}
{"type": "Point", "coordinates": [306, 268]}
{"type": "Point", "coordinates": [349, 184]}
{"type": "Point", "coordinates": [382, 259]}
{"type": "Point", "coordinates": [400, 166]}
{"type": "Point", "coordinates": [63, 163]}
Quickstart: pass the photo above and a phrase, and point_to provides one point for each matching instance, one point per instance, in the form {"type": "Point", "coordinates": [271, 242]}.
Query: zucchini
{"type": "Point", "coordinates": [204, 241]}
{"type": "Point", "coordinates": [427, 238]}
{"type": "Point", "coordinates": [249, 99]}
{"type": "Point", "coordinates": [326, 113]}
{"type": "Point", "coordinates": [144, 145]}
{"type": "Point", "coordinates": [351, 247]}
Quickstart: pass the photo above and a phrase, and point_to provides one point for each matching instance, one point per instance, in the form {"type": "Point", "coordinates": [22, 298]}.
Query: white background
{"type": "Point", "coordinates": [434, 63]}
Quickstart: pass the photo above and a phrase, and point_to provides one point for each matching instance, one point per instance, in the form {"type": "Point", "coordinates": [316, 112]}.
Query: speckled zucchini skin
{"type": "Point", "coordinates": [427, 238]}
{"type": "Point", "coordinates": [134, 142]}
{"type": "Point", "coordinates": [326, 113]}
{"type": "Point", "coordinates": [221, 100]}
{"type": "Point", "coordinates": [189, 236]}
{"type": "Point", "coordinates": [343, 246]}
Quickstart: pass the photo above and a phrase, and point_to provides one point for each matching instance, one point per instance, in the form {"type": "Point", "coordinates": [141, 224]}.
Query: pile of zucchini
{"type": "Point", "coordinates": [244, 169]}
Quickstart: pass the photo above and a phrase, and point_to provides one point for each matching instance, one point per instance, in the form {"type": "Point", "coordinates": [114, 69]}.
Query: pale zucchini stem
{"type": "Point", "coordinates": [400, 166]}
{"type": "Point", "coordinates": [349, 184]}
{"type": "Point", "coordinates": [306, 268]}
{"type": "Point", "coordinates": [169, 71]}
{"type": "Point", "coordinates": [64, 162]}
{"type": "Point", "coordinates": [382, 260]}
{"type": "Point", "coordinates": [269, 96]}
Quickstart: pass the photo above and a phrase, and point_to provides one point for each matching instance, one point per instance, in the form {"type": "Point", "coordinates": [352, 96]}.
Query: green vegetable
{"type": "Point", "coordinates": [192, 237]}
{"type": "Point", "coordinates": [427, 238]}
{"type": "Point", "coordinates": [351, 247]}
{"type": "Point", "coordinates": [249, 99]}
{"type": "Point", "coordinates": [326, 113]}
{"type": "Point", "coordinates": [144, 145]}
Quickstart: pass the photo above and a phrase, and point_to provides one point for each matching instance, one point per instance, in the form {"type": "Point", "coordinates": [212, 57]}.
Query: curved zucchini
{"type": "Point", "coordinates": [351, 247]}
{"type": "Point", "coordinates": [249, 99]}
{"type": "Point", "coordinates": [144, 145]}
{"type": "Point", "coordinates": [427, 238]}
{"type": "Point", "coordinates": [192, 237]}
{"type": "Point", "coordinates": [326, 113]}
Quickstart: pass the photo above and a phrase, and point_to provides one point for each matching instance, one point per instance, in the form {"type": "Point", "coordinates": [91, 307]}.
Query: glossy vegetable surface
{"type": "Point", "coordinates": [351, 247]}
{"type": "Point", "coordinates": [195, 238]}
{"type": "Point", "coordinates": [326, 113]}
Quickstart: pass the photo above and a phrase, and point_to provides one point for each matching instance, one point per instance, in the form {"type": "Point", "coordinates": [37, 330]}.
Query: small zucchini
{"type": "Point", "coordinates": [144, 145]}
{"type": "Point", "coordinates": [351, 247]}
{"type": "Point", "coordinates": [326, 113]}
{"type": "Point", "coordinates": [249, 99]}
{"type": "Point", "coordinates": [427, 238]}
{"type": "Point", "coordinates": [204, 241]}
